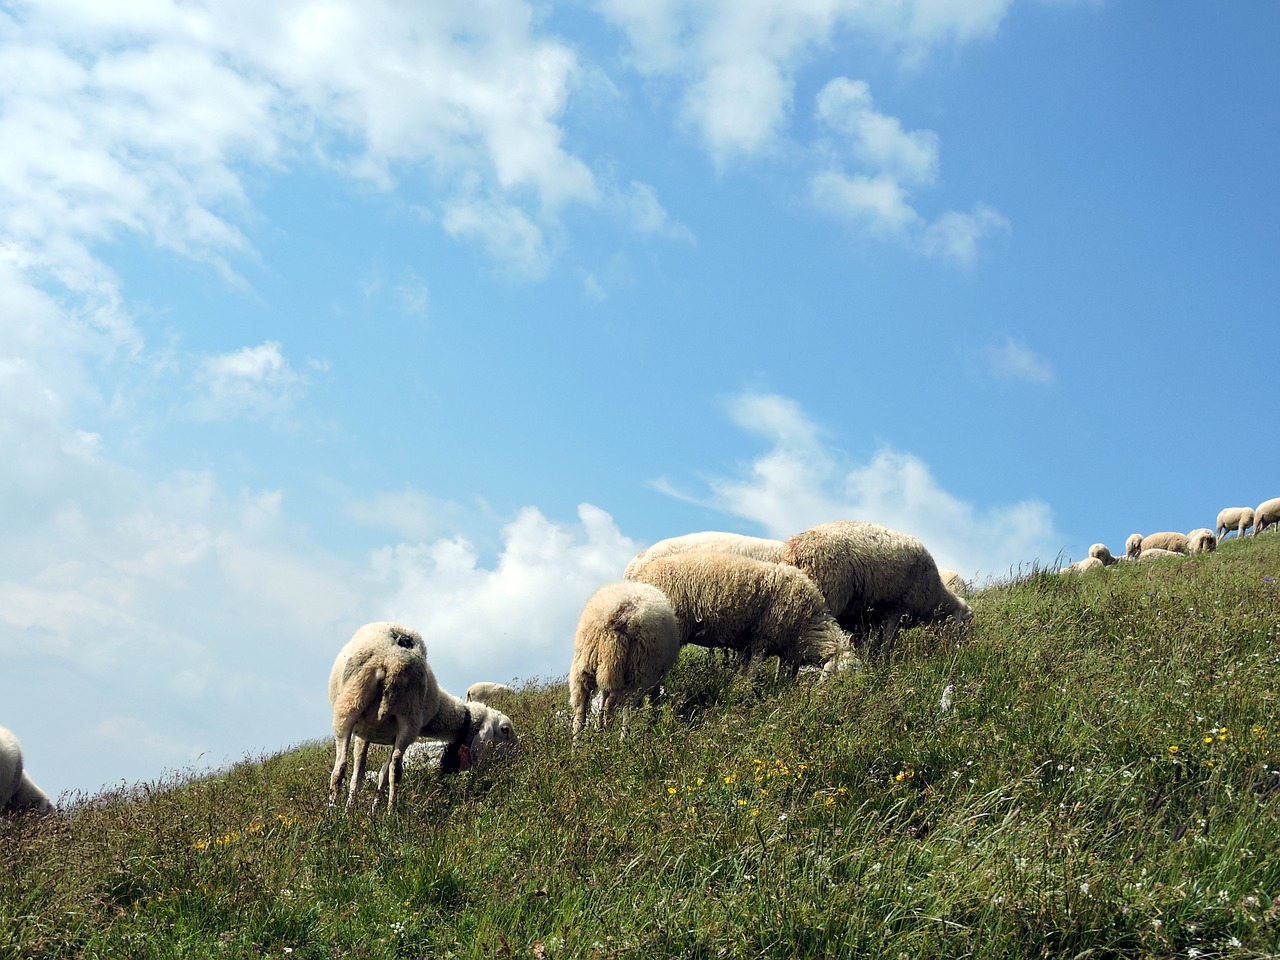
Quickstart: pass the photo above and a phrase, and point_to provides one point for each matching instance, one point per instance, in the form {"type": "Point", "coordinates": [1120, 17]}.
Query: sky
{"type": "Point", "coordinates": [320, 312]}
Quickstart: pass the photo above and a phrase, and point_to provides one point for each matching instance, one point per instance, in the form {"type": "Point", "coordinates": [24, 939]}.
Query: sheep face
{"type": "Point", "coordinates": [494, 734]}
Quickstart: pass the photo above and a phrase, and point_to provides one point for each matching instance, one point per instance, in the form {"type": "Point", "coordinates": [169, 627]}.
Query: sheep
{"type": "Point", "coordinates": [1239, 519]}
{"type": "Point", "coordinates": [1083, 566]}
{"type": "Point", "coordinates": [485, 691]}
{"type": "Point", "coordinates": [875, 579]}
{"type": "Point", "coordinates": [1099, 551]}
{"type": "Point", "coordinates": [1267, 513]}
{"type": "Point", "coordinates": [1159, 553]}
{"type": "Point", "coordinates": [626, 640]}
{"type": "Point", "coordinates": [1166, 540]}
{"type": "Point", "coordinates": [714, 541]}
{"type": "Point", "coordinates": [1202, 540]}
{"type": "Point", "coordinates": [756, 608]}
{"type": "Point", "coordinates": [18, 792]}
{"type": "Point", "coordinates": [382, 690]}
{"type": "Point", "coordinates": [954, 582]}
{"type": "Point", "coordinates": [1133, 546]}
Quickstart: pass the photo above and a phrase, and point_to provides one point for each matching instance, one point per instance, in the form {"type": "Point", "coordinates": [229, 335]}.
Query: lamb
{"type": "Point", "coordinates": [875, 579]}
{"type": "Point", "coordinates": [18, 792]}
{"type": "Point", "coordinates": [1099, 551]}
{"type": "Point", "coordinates": [754, 607]}
{"type": "Point", "coordinates": [1268, 512]}
{"type": "Point", "coordinates": [626, 641]}
{"type": "Point", "coordinates": [1083, 566]}
{"type": "Point", "coordinates": [714, 541]}
{"type": "Point", "coordinates": [485, 691]}
{"type": "Point", "coordinates": [382, 690]}
{"type": "Point", "coordinates": [1239, 519]}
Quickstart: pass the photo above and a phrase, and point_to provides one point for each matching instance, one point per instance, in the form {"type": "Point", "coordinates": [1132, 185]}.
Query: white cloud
{"type": "Point", "coordinates": [647, 216]}
{"type": "Point", "coordinates": [253, 381]}
{"type": "Point", "coordinates": [1015, 361]}
{"type": "Point", "coordinates": [879, 205]}
{"type": "Point", "coordinates": [413, 295]}
{"type": "Point", "coordinates": [510, 237]}
{"type": "Point", "coordinates": [877, 140]}
{"type": "Point", "coordinates": [954, 236]}
{"type": "Point", "coordinates": [801, 481]}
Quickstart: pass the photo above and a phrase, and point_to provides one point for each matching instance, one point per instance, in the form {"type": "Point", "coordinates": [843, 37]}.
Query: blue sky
{"type": "Point", "coordinates": [317, 313]}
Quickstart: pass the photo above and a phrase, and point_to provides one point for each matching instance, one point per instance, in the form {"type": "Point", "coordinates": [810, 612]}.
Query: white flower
{"type": "Point", "coordinates": [945, 703]}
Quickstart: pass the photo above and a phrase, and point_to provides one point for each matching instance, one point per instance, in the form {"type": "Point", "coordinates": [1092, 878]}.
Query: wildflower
{"type": "Point", "coordinates": [830, 801]}
{"type": "Point", "coordinates": [1208, 739]}
{"type": "Point", "coordinates": [741, 802]}
{"type": "Point", "coordinates": [945, 703]}
{"type": "Point", "coordinates": [671, 790]}
{"type": "Point", "coordinates": [1173, 748]}
{"type": "Point", "coordinates": [731, 778]}
{"type": "Point", "coordinates": [1268, 580]}
{"type": "Point", "coordinates": [755, 812]}
{"type": "Point", "coordinates": [1084, 887]}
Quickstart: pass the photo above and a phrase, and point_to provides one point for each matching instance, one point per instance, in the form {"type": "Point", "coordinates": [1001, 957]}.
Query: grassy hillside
{"type": "Point", "coordinates": [1106, 779]}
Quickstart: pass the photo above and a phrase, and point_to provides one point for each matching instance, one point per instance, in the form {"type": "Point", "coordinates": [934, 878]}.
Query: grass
{"type": "Point", "coordinates": [1105, 782]}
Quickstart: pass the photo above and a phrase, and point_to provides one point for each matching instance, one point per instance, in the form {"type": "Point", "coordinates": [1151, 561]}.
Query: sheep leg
{"type": "Point", "coordinates": [404, 737]}
{"type": "Point", "coordinates": [580, 695]}
{"type": "Point", "coordinates": [342, 742]}
{"type": "Point", "coordinates": [357, 768]}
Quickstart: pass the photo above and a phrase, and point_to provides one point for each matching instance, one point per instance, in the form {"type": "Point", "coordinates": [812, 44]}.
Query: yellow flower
{"type": "Point", "coordinates": [755, 812]}
{"type": "Point", "coordinates": [1173, 748]}
{"type": "Point", "coordinates": [671, 790]}
{"type": "Point", "coordinates": [830, 801]}
{"type": "Point", "coordinates": [730, 778]}
{"type": "Point", "coordinates": [1208, 739]}
{"type": "Point", "coordinates": [741, 802]}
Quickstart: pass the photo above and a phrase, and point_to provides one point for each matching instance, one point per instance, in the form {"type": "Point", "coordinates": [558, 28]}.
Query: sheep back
{"type": "Point", "coordinates": [485, 690]}
{"type": "Point", "coordinates": [1166, 540]}
{"type": "Point", "coordinates": [1099, 551]}
{"type": "Point", "coordinates": [715, 541]}
{"type": "Point", "coordinates": [1083, 566]}
{"type": "Point", "coordinates": [757, 608]}
{"type": "Point", "coordinates": [871, 575]}
{"type": "Point", "coordinates": [1202, 540]}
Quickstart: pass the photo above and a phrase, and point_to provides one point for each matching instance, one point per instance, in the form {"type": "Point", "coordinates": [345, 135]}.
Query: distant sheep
{"type": "Point", "coordinates": [484, 691]}
{"type": "Point", "coordinates": [1159, 553]}
{"type": "Point", "coordinates": [754, 607]}
{"type": "Point", "coordinates": [1202, 540]}
{"type": "Point", "coordinates": [626, 640]}
{"type": "Point", "coordinates": [382, 690]}
{"type": "Point", "coordinates": [1166, 540]}
{"type": "Point", "coordinates": [1133, 546]}
{"type": "Point", "coordinates": [875, 579]}
{"type": "Point", "coordinates": [1100, 552]}
{"type": "Point", "coordinates": [1267, 513]}
{"type": "Point", "coordinates": [1083, 566]}
{"type": "Point", "coordinates": [1239, 519]}
{"type": "Point", "coordinates": [18, 793]}
{"type": "Point", "coordinates": [715, 541]}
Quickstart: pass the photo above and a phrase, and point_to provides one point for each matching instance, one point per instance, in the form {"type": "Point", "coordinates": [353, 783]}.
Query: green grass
{"type": "Point", "coordinates": [1106, 783]}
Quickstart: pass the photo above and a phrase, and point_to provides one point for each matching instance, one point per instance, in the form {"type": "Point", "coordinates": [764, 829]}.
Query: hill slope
{"type": "Point", "coordinates": [1102, 774]}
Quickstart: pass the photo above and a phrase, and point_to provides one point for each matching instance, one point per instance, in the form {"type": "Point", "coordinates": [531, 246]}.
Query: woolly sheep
{"type": "Point", "coordinates": [715, 541]}
{"type": "Point", "coordinates": [875, 579]}
{"type": "Point", "coordinates": [1133, 546]}
{"type": "Point", "coordinates": [1166, 540]}
{"type": "Point", "coordinates": [754, 607]}
{"type": "Point", "coordinates": [1239, 519]}
{"type": "Point", "coordinates": [484, 691]}
{"type": "Point", "coordinates": [18, 793]}
{"type": "Point", "coordinates": [1083, 566]}
{"type": "Point", "coordinates": [1159, 553]}
{"type": "Point", "coordinates": [1268, 512]}
{"type": "Point", "coordinates": [1202, 540]}
{"type": "Point", "coordinates": [1099, 551]}
{"type": "Point", "coordinates": [626, 640]}
{"type": "Point", "coordinates": [382, 690]}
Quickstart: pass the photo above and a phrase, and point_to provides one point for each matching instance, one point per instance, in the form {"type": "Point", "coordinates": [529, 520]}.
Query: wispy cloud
{"type": "Point", "coordinates": [1015, 361]}
{"type": "Point", "coordinates": [254, 382]}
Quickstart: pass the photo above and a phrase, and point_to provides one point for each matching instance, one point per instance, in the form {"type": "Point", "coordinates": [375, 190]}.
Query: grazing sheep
{"type": "Point", "coordinates": [1083, 566]}
{"type": "Point", "coordinates": [1202, 540]}
{"type": "Point", "coordinates": [1239, 519]}
{"type": "Point", "coordinates": [626, 641]}
{"type": "Point", "coordinates": [1099, 551]}
{"type": "Point", "coordinates": [954, 582]}
{"type": "Point", "coordinates": [382, 690]}
{"type": "Point", "coordinates": [875, 579]}
{"type": "Point", "coordinates": [1166, 540]}
{"type": "Point", "coordinates": [484, 691]}
{"type": "Point", "coordinates": [1133, 546]}
{"type": "Point", "coordinates": [754, 607]}
{"type": "Point", "coordinates": [18, 793]}
{"type": "Point", "coordinates": [714, 541]}
{"type": "Point", "coordinates": [1268, 512]}
{"type": "Point", "coordinates": [1159, 553]}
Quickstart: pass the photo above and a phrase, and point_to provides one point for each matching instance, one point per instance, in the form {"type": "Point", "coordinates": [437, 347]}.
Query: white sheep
{"type": "Point", "coordinates": [382, 690]}
{"type": "Point", "coordinates": [875, 579]}
{"type": "Point", "coordinates": [1133, 546]}
{"type": "Point", "coordinates": [484, 691]}
{"type": "Point", "coordinates": [1099, 551]}
{"type": "Point", "coordinates": [756, 608]}
{"type": "Point", "coordinates": [1239, 519]}
{"type": "Point", "coordinates": [1083, 566]}
{"type": "Point", "coordinates": [626, 640]}
{"type": "Point", "coordinates": [954, 582]}
{"type": "Point", "coordinates": [715, 541]}
{"type": "Point", "coordinates": [18, 793]}
{"type": "Point", "coordinates": [1166, 540]}
{"type": "Point", "coordinates": [1202, 540]}
{"type": "Point", "coordinates": [1267, 513]}
{"type": "Point", "coordinates": [1160, 553]}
